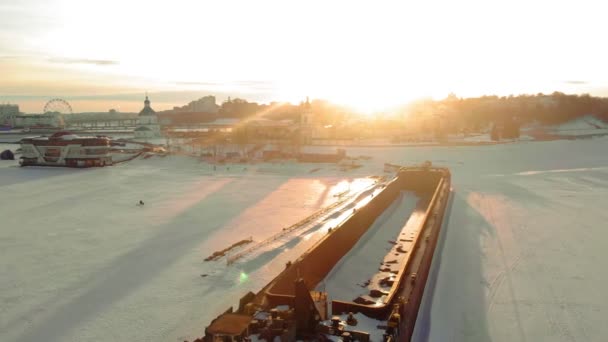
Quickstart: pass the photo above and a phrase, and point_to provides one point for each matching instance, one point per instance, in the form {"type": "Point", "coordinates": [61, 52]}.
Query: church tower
{"type": "Point", "coordinates": [147, 123]}
{"type": "Point", "coordinates": [306, 126]}
{"type": "Point", "coordinates": [306, 113]}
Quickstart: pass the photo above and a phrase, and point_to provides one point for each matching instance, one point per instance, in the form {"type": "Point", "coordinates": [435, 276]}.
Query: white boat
{"type": "Point", "coordinates": [66, 149]}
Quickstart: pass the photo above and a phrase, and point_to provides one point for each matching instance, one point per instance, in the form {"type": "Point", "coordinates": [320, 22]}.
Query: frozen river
{"type": "Point", "coordinates": [521, 259]}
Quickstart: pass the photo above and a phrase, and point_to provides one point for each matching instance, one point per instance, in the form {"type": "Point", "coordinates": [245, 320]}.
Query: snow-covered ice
{"type": "Point", "coordinates": [356, 273]}
{"type": "Point", "coordinates": [588, 124]}
{"type": "Point", "coordinates": [522, 254]}
{"type": "Point", "coordinates": [288, 247]}
{"type": "Point", "coordinates": [83, 262]}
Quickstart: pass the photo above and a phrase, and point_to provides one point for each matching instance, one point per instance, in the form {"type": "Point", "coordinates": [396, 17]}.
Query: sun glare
{"type": "Point", "coordinates": [399, 54]}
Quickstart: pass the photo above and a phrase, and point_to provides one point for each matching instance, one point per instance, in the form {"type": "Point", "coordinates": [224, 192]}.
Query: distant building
{"type": "Point", "coordinates": [205, 104]}
{"type": "Point", "coordinates": [306, 123]}
{"type": "Point", "coordinates": [270, 131]}
{"type": "Point", "coordinates": [8, 112]}
{"type": "Point", "coordinates": [12, 117]}
{"type": "Point", "coordinates": [147, 123]}
{"type": "Point", "coordinates": [185, 119]}
{"type": "Point", "coordinates": [110, 119]}
{"type": "Point", "coordinates": [50, 119]}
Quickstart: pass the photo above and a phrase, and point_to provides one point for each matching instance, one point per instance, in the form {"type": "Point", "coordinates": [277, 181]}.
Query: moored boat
{"type": "Point", "coordinates": [66, 149]}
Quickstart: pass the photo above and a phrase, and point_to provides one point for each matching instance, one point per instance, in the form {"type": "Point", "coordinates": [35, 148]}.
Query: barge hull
{"type": "Point", "coordinates": [401, 304]}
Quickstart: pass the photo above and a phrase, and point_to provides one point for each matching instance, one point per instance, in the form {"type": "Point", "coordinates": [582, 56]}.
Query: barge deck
{"type": "Point", "coordinates": [411, 209]}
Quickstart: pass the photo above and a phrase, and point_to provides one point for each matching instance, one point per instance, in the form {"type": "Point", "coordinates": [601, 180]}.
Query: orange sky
{"type": "Point", "coordinates": [105, 54]}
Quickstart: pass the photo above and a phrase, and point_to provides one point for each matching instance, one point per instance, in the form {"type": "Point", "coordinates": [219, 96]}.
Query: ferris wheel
{"type": "Point", "coordinates": [58, 106]}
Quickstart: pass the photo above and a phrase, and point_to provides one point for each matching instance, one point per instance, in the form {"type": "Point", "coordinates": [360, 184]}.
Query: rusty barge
{"type": "Point", "coordinates": [293, 306]}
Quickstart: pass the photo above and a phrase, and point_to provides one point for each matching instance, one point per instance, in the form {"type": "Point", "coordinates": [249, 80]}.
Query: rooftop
{"type": "Point", "coordinates": [230, 324]}
{"type": "Point", "coordinates": [147, 110]}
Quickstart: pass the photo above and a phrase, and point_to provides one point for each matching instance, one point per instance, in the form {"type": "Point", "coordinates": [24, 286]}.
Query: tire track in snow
{"type": "Point", "coordinates": [507, 268]}
{"type": "Point", "coordinates": [496, 284]}
{"type": "Point", "coordinates": [557, 323]}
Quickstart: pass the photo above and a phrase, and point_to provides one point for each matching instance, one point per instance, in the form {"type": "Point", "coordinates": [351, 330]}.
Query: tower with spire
{"type": "Point", "coordinates": [306, 113]}
{"type": "Point", "coordinates": [147, 123]}
{"type": "Point", "coordinates": [306, 126]}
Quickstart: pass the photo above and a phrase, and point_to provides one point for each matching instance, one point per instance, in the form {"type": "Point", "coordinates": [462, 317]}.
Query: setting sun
{"type": "Point", "coordinates": [239, 171]}
{"type": "Point", "coordinates": [367, 56]}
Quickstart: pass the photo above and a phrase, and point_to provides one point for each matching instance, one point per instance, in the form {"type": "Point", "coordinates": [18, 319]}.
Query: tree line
{"type": "Point", "coordinates": [555, 108]}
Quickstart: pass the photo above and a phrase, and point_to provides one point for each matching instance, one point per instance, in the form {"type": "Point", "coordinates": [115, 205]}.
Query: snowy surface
{"type": "Point", "coordinates": [581, 126]}
{"type": "Point", "coordinates": [478, 138]}
{"type": "Point", "coordinates": [364, 324]}
{"type": "Point", "coordinates": [83, 262]}
{"type": "Point", "coordinates": [348, 279]}
{"type": "Point", "coordinates": [12, 147]}
{"type": "Point", "coordinates": [486, 138]}
{"type": "Point", "coordinates": [523, 253]}
{"type": "Point", "coordinates": [289, 247]}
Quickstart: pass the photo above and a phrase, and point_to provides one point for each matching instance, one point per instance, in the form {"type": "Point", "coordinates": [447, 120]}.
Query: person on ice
{"type": "Point", "coordinates": [140, 203]}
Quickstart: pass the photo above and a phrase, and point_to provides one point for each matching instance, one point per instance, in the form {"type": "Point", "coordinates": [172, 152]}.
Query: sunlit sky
{"type": "Point", "coordinates": [102, 54]}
